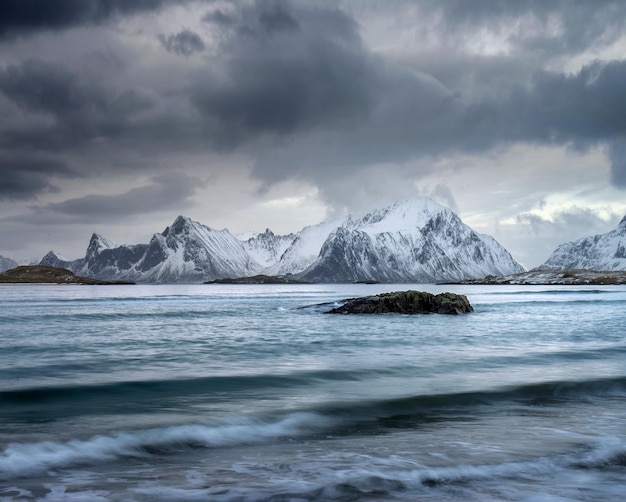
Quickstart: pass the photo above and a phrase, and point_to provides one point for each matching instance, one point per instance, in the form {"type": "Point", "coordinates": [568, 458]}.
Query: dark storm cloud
{"type": "Point", "coordinates": [293, 85]}
{"type": "Point", "coordinates": [63, 111]}
{"type": "Point", "coordinates": [281, 69]}
{"type": "Point", "coordinates": [23, 174]}
{"type": "Point", "coordinates": [184, 43]}
{"type": "Point", "coordinates": [302, 76]}
{"type": "Point", "coordinates": [168, 191]}
{"type": "Point", "coordinates": [19, 17]}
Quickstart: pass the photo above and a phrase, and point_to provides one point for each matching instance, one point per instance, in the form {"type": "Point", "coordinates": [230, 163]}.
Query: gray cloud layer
{"type": "Point", "coordinates": [168, 191]}
{"type": "Point", "coordinates": [23, 17]}
{"type": "Point", "coordinates": [295, 86]}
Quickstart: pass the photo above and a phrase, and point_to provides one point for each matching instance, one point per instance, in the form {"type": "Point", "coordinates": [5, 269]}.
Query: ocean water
{"type": "Point", "coordinates": [252, 393]}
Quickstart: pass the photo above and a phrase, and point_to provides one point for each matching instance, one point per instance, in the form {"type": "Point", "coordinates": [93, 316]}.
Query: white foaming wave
{"type": "Point", "coordinates": [311, 479]}
{"type": "Point", "coordinates": [27, 459]}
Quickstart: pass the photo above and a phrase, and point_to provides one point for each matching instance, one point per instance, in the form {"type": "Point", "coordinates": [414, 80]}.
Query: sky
{"type": "Point", "coordinates": [116, 116]}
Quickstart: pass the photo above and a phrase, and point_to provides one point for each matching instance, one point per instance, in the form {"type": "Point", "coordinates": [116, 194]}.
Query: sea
{"type": "Point", "coordinates": [213, 392]}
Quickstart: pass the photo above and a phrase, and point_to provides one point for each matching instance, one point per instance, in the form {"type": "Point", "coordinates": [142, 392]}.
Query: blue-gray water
{"type": "Point", "coordinates": [235, 393]}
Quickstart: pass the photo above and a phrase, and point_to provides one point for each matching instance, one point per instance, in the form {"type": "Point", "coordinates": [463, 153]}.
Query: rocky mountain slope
{"type": "Point", "coordinates": [6, 263]}
{"type": "Point", "coordinates": [410, 241]}
{"type": "Point", "coordinates": [598, 252]}
{"type": "Point", "coordinates": [186, 251]}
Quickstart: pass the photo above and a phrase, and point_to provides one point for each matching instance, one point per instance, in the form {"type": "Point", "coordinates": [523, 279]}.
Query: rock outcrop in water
{"type": "Point", "coordinates": [405, 302]}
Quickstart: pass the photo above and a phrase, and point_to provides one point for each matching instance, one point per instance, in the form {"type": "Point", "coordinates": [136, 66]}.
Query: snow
{"type": "Point", "coordinates": [416, 239]}
{"type": "Point", "coordinates": [412, 240]}
{"type": "Point", "coordinates": [599, 252]}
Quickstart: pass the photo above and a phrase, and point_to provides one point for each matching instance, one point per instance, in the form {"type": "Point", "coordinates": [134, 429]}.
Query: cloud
{"type": "Point", "coordinates": [545, 28]}
{"type": "Point", "coordinates": [23, 175]}
{"type": "Point", "coordinates": [617, 154]}
{"type": "Point", "coordinates": [282, 69]}
{"type": "Point", "coordinates": [80, 110]}
{"type": "Point", "coordinates": [167, 192]}
{"type": "Point", "coordinates": [547, 232]}
{"type": "Point", "coordinates": [296, 88]}
{"type": "Point", "coordinates": [20, 17]}
{"type": "Point", "coordinates": [184, 43]}
{"type": "Point", "coordinates": [302, 80]}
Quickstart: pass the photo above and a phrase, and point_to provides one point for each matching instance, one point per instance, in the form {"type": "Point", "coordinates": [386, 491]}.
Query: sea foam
{"type": "Point", "coordinates": [28, 459]}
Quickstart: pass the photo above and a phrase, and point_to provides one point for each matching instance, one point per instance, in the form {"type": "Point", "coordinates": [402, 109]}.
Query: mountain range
{"type": "Point", "coordinates": [416, 240]}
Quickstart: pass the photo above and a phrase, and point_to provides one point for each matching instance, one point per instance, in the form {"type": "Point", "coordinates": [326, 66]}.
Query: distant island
{"type": "Point", "coordinates": [256, 279]}
{"type": "Point", "coordinates": [40, 274]}
{"type": "Point", "coordinates": [555, 278]}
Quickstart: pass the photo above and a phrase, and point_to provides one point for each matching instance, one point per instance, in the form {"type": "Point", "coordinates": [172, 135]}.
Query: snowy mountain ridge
{"type": "Point", "coordinates": [598, 252]}
{"type": "Point", "coordinates": [417, 240]}
{"type": "Point", "coordinates": [410, 241]}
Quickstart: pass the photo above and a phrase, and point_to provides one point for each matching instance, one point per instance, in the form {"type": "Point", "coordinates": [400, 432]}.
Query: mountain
{"type": "Point", "coordinates": [598, 252]}
{"type": "Point", "coordinates": [267, 248]}
{"type": "Point", "coordinates": [304, 249]}
{"type": "Point", "coordinates": [186, 251]}
{"type": "Point", "coordinates": [6, 263]}
{"type": "Point", "coordinates": [416, 240]}
{"type": "Point", "coordinates": [411, 241]}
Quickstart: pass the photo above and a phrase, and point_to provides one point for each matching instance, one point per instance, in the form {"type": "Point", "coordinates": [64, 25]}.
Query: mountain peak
{"type": "Point", "coordinates": [623, 222]}
{"type": "Point", "coordinates": [54, 255]}
{"type": "Point", "coordinates": [182, 224]}
{"type": "Point", "coordinates": [97, 244]}
{"type": "Point", "coordinates": [402, 215]}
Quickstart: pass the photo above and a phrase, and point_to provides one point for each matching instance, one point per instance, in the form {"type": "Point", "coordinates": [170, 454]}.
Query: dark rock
{"type": "Point", "coordinates": [40, 274]}
{"type": "Point", "coordinates": [405, 302]}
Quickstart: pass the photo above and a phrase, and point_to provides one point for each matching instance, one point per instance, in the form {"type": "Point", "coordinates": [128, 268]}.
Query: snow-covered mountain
{"type": "Point", "coordinates": [599, 252]}
{"type": "Point", "coordinates": [304, 249]}
{"type": "Point", "coordinates": [186, 251]}
{"type": "Point", "coordinates": [266, 248]}
{"type": "Point", "coordinates": [416, 240]}
{"type": "Point", "coordinates": [6, 263]}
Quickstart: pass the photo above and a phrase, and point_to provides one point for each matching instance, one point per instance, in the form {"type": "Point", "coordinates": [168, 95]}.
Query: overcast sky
{"type": "Point", "coordinates": [118, 115]}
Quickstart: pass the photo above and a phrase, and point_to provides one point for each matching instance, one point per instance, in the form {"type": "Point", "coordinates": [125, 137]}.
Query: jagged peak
{"type": "Point", "coordinates": [623, 222]}
{"type": "Point", "coordinates": [181, 225]}
{"type": "Point", "coordinates": [97, 244]}
{"type": "Point", "coordinates": [53, 255]}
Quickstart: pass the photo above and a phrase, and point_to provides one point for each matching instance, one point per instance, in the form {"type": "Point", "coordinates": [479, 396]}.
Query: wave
{"type": "Point", "coordinates": [96, 398]}
{"type": "Point", "coordinates": [19, 460]}
{"type": "Point", "coordinates": [343, 419]}
{"type": "Point", "coordinates": [178, 387]}
{"type": "Point", "coordinates": [381, 416]}
{"type": "Point", "coordinates": [320, 478]}
{"type": "Point", "coordinates": [398, 477]}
